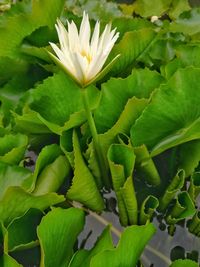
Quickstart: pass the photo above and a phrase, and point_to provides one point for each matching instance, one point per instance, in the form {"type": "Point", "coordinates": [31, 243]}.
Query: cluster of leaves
{"type": "Point", "coordinates": [147, 114]}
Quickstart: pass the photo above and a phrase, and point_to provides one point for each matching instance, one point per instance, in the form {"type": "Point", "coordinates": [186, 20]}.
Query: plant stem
{"type": "Point", "coordinates": [97, 146]}
{"type": "Point", "coordinates": [118, 234]}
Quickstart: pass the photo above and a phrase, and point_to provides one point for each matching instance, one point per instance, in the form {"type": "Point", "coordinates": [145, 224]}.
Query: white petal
{"type": "Point", "coordinates": [104, 36]}
{"type": "Point", "coordinates": [95, 39]}
{"type": "Point", "coordinates": [74, 42]}
{"type": "Point", "coordinates": [65, 60]}
{"type": "Point", "coordinates": [96, 65]}
{"type": "Point", "coordinates": [84, 33]}
{"type": "Point", "coordinates": [62, 35]}
{"type": "Point", "coordinates": [108, 47]}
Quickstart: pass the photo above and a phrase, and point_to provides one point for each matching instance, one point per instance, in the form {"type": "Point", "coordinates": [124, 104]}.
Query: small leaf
{"type": "Point", "coordinates": [146, 165]}
{"type": "Point", "coordinates": [52, 176]}
{"type": "Point", "coordinates": [174, 187]}
{"type": "Point", "coordinates": [194, 188]}
{"type": "Point", "coordinates": [184, 263]}
{"type": "Point", "coordinates": [13, 176]}
{"type": "Point", "coordinates": [12, 148]}
{"type": "Point", "coordinates": [148, 207]}
{"type": "Point", "coordinates": [84, 188]}
{"type": "Point", "coordinates": [121, 160]}
{"type": "Point", "coordinates": [183, 208]}
{"type": "Point", "coordinates": [194, 224]}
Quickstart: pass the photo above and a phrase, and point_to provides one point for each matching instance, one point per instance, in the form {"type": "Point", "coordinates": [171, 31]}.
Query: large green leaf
{"type": "Point", "coordinates": [178, 7]}
{"type": "Point", "coordinates": [132, 45]}
{"type": "Point", "coordinates": [187, 22]}
{"type": "Point", "coordinates": [19, 26]}
{"type": "Point", "coordinates": [83, 257]}
{"type": "Point", "coordinates": [147, 8]}
{"type": "Point", "coordinates": [13, 176]}
{"type": "Point", "coordinates": [25, 201]}
{"type": "Point", "coordinates": [84, 188]}
{"type": "Point", "coordinates": [129, 249]}
{"type": "Point", "coordinates": [12, 148]}
{"type": "Point", "coordinates": [63, 108]}
{"type": "Point", "coordinates": [57, 234]}
{"type": "Point", "coordinates": [173, 115]}
{"type": "Point", "coordinates": [116, 92]}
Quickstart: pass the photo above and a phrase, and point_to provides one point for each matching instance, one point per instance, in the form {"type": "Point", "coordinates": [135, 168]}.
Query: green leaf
{"type": "Point", "coordinates": [83, 188]}
{"type": "Point", "coordinates": [30, 123]}
{"type": "Point", "coordinates": [8, 261]}
{"type": "Point", "coordinates": [19, 26]}
{"type": "Point", "coordinates": [184, 263]}
{"type": "Point", "coordinates": [116, 92]}
{"type": "Point", "coordinates": [46, 157]}
{"type": "Point", "coordinates": [22, 231]}
{"type": "Point", "coordinates": [134, 237]}
{"type": "Point", "coordinates": [189, 156]}
{"type": "Point", "coordinates": [83, 257]}
{"type": "Point", "coordinates": [194, 188]}
{"type": "Point", "coordinates": [178, 7]}
{"type": "Point", "coordinates": [63, 108]}
{"type": "Point", "coordinates": [170, 118]}
{"type": "Point", "coordinates": [174, 187]}
{"type": "Point", "coordinates": [25, 201]}
{"type": "Point", "coordinates": [183, 208]}
{"type": "Point", "coordinates": [13, 176]}
{"type": "Point", "coordinates": [121, 160]}
{"type": "Point", "coordinates": [59, 229]}
{"type": "Point", "coordinates": [127, 118]}
{"type": "Point", "coordinates": [194, 224]}
{"type": "Point", "coordinates": [13, 147]}
{"type": "Point", "coordinates": [52, 176]}
{"type": "Point", "coordinates": [132, 45]}
{"type": "Point", "coordinates": [146, 166]}
{"type": "Point", "coordinates": [187, 22]}
{"type": "Point", "coordinates": [146, 8]}
{"type": "Point", "coordinates": [126, 24]}
{"type": "Point", "coordinates": [148, 207]}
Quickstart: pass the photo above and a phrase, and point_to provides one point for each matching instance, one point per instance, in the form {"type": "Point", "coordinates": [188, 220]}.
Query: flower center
{"type": "Point", "coordinates": [87, 55]}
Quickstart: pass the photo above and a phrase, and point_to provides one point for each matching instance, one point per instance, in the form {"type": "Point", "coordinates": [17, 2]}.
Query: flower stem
{"type": "Point", "coordinates": [96, 143]}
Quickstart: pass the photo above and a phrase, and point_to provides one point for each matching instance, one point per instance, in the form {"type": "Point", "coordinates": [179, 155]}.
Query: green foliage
{"type": "Point", "coordinates": [56, 170]}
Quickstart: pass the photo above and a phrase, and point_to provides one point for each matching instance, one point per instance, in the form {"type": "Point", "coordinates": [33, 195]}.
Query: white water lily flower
{"type": "Point", "coordinates": [81, 55]}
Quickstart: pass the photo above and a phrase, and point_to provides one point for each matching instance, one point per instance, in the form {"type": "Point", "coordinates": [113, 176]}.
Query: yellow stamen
{"type": "Point", "coordinates": [88, 56]}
